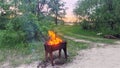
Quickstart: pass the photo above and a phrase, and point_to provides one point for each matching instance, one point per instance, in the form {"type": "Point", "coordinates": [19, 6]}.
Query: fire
{"type": "Point", "coordinates": [53, 38]}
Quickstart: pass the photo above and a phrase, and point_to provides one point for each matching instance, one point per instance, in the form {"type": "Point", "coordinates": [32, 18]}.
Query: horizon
{"type": "Point", "coordinates": [70, 17]}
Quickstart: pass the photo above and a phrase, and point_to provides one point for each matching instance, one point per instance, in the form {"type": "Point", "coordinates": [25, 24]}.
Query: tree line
{"type": "Point", "coordinates": [101, 15]}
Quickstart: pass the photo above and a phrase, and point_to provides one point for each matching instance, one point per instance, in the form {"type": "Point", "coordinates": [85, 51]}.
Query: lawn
{"type": "Point", "coordinates": [76, 32]}
{"type": "Point", "coordinates": [21, 54]}
{"type": "Point", "coordinates": [28, 53]}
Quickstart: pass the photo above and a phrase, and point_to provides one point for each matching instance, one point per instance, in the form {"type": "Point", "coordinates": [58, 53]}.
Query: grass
{"type": "Point", "coordinates": [74, 47]}
{"type": "Point", "coordinates": [76, 32]}
{"type": "Point", "coordinates": [21, 54]}
{"type": "Point", "coordinates": [34, 52]}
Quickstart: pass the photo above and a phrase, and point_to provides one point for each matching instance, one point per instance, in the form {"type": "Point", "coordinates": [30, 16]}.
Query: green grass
{"type": "Point", "coordinates": [22, 54]}
{"type": "Point", "coordinates": [74, 47]}
{"type": "Point", "coordinates": [76, 32]}
{"type": "Point", "coordinates": [26, 55]}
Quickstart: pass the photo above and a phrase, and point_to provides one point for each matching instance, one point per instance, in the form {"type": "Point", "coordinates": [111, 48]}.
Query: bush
{"type": "Point", "coordinates": [12, 38]}
{"type": "Point", "coordinates": [86, 25]}
{"type": "Point", "coordinates": [15, 32]}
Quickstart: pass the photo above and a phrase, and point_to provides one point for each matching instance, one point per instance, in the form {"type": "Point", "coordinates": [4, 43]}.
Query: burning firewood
{"type": "Point", "coordinates": [54, 43]}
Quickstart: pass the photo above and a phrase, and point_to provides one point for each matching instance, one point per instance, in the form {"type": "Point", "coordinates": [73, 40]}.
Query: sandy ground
{"type": "Point", "coordinates": [106, 56]}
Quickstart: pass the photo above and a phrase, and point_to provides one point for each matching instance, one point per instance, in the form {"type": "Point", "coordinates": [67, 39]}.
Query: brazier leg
{"type": "Point", "coordinates": [59, 53]}
{"type": "Point", "coordinates": [51, 58]}
{"type": "Point", "coordinates": [65, 51]}
{"type": "Point", "coordinates": [46, 55]}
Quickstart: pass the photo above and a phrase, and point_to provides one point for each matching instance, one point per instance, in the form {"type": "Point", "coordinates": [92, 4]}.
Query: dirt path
{"type": "Point", "coordinates": [104, 56]}
{"type": "Point", "coordinates": [108, 57]}
{"type": "Point", "coordinates": [94, 44]}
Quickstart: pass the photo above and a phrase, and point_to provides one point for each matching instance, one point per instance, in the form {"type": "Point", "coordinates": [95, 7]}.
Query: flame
{"type": "Point", "coordinates": [53, 38]}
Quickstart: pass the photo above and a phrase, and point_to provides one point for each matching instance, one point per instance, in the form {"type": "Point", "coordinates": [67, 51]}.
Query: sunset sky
{"type": "Point", "coordinates": [70, 4]}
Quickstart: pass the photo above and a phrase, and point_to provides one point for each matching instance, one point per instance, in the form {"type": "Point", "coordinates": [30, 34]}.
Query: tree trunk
{"type": "Point", "coordinates": [56, 21]}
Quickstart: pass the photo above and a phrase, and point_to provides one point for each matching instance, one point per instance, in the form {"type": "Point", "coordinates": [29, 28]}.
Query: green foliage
{"type": "Point", "coordinates": [14, 33]}
{"type": "Point", "coordinates": [56, 9]}
{"type": "Point", "coordinates": [86, 25]}
{"type": "Point", "coordinates": [45, 25]}
{"type": "Point", "coordinates": [28, 6]}
{"type": "Point", "coordinates": [4, 19]}
{"type": "Point", "coordinates": [77, 32]}
{"type": "Point", "coordinates": [13, 24]}
{"type": "Point", "coordinates": [16, 23]}
{"type": "Point", "coordinates": [12, 38]}
{"type": "Point", "coordinates": [3, 22]}
{"type": "Point", "coordinates": [104, 14]}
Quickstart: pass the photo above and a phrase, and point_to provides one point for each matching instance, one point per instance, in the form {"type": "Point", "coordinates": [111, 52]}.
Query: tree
{"type": "Point", "coordinates": [54, 8]}
{"type": "Point", "coordinates": [104, 14]}
{"type": "Point", "coordinates": [57, 9]}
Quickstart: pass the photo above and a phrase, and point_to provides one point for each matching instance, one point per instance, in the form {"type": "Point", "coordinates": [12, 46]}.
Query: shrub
{"type": "Point", "coordinates": [12, 38]}
{"type": "Point", "coordinates": [87, 25]}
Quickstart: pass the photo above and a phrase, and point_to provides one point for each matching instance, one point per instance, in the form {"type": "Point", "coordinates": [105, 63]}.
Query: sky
{"type": "Point", "coordinates": [70, 4]}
